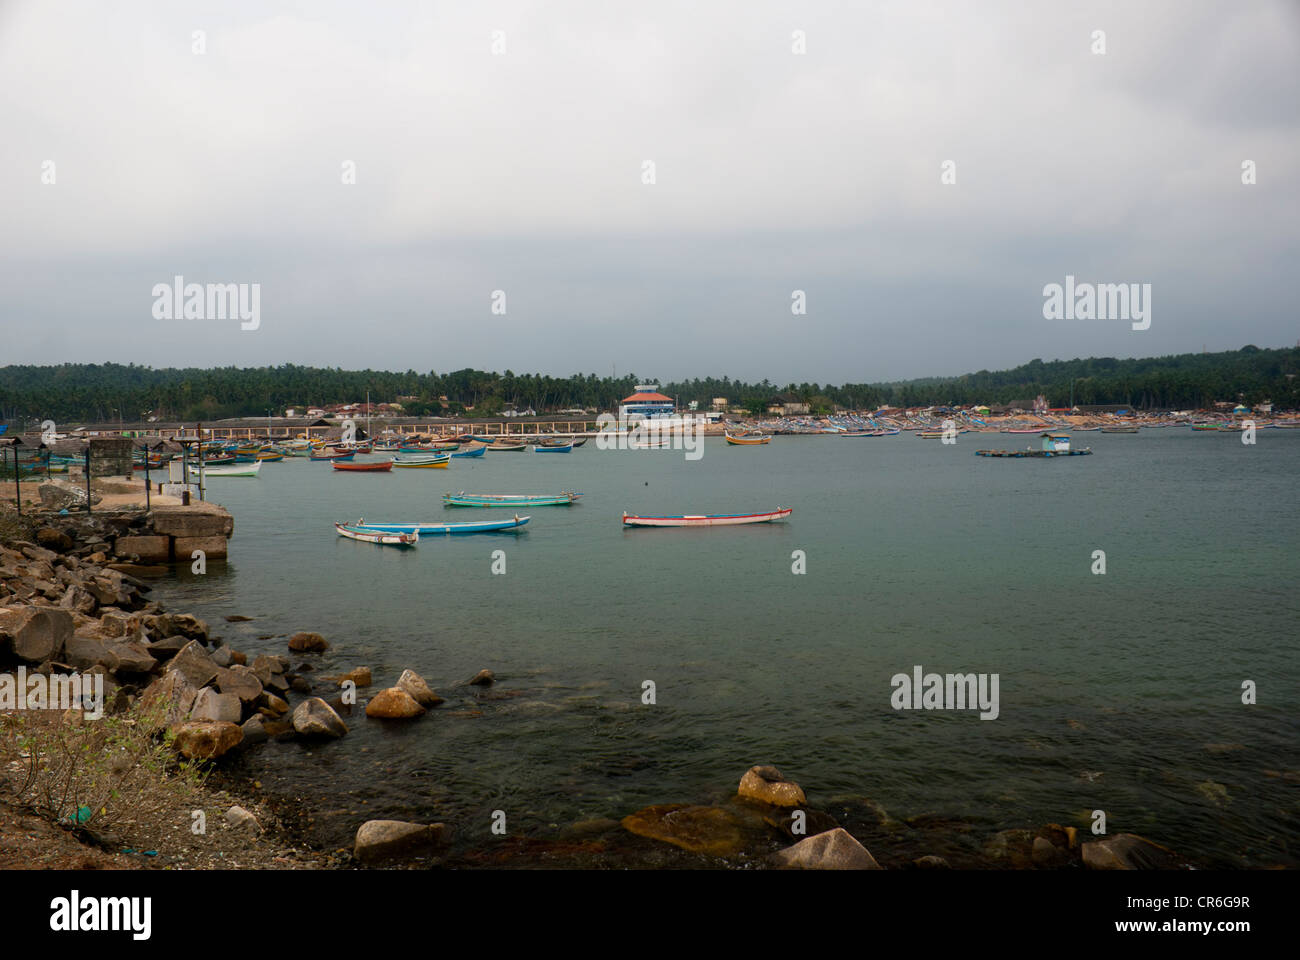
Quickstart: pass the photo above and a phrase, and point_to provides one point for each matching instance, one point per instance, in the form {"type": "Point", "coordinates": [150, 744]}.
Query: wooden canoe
{"type": "Point", "coordinates": [744, 440]}
{"type": "Point", "coordinates": [381, 467]}
{"type": "Point", "coordinates": [476, 452]}
{"type": "Point", "coordinates": [382, 537]}
{"type": "Point", "coordinates": [423, 463]}
{"type": "Point", "coordinates": [463, 499]}
{"type": "Point", "coordinates": [706, 520]}
{"type": "Point", "coordinates": [432, 528]}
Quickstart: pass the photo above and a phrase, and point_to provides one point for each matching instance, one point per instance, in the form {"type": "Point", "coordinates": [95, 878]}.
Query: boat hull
{"type": "Point", "coordinates": [383, 467]}
{"type": "Point", "coordinates": [509, 500]}
{"type": "Point", "coordinates": [716, 520]}
{"type": "Point", "coordinates": [381, 537]}
{"type": "Point", "coordinates": [433, 529]}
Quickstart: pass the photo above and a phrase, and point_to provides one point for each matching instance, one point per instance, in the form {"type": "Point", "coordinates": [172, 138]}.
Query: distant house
{"type": "Point", "coordinates": [784, 406]}
{"type": "Point", "coordinates": [648, 403]}
{"type": "Point", "coordinates": [719, 403]}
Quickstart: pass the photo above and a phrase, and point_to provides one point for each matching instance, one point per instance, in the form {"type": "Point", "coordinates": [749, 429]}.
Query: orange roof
{"type": "Point", "coordinates": [647, 398]}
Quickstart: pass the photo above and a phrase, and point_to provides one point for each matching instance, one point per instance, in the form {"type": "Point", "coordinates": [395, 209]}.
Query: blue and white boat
{"type": "Point", "coordinates": [428, 529]}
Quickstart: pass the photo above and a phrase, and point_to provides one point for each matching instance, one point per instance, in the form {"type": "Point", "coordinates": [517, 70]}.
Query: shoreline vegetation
{"type": "Point", "coordinates": [117, 392]}
{"type": "Point", "coordinates": [155, 783]}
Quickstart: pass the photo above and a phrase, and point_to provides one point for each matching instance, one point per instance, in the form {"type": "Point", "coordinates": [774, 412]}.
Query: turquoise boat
{"type": "Point", "coordinates": [476, 452]}
{"type": "Point", "coordinates": [463, 499]}
{"type": "Point", "coordinates": [428, 529]}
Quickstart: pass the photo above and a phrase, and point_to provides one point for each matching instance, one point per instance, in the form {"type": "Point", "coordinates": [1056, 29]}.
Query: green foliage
{"type": "Point", "coordinates": [104, 392]}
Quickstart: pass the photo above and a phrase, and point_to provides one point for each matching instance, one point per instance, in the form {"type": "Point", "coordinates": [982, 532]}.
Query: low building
{"type": "Point", "coordinates": [784, 406]}
{"type": "Point", "coordinates": [647, 403]}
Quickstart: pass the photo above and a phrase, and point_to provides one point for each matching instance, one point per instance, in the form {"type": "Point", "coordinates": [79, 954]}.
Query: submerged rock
{"type": "Point", "coordinates": [709, 830]}
{"type": "Point", "coordinates": [767, 785]}
{"type": "Point", "coordinates": [483, 678]}
{"type": "Point", "coordinates": [1128, 851]}
{"type": "Point", "coordinates": [307, 642]}
{"type": "Point", "coordinates": [379, 840]}
{"type": "Point", "coordinates": [360, 677]}
{"type": "Point", "coordinates": [833, 850]}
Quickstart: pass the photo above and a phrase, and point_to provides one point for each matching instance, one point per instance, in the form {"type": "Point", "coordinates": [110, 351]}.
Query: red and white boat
{"type": "Point", "coordinates": [706, 520]}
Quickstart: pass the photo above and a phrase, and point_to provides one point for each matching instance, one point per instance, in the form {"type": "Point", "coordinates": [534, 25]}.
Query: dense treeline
{"type": "Point", "coordinates": [107, 392]}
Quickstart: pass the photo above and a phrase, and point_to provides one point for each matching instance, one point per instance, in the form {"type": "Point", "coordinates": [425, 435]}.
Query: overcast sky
{"type": "Point", "coordinates": [523, 171]}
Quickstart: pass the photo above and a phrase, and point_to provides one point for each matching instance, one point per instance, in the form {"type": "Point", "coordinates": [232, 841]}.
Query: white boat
{"type": "Point", "coordinates": [232, 470]}
{"type": "Point", "coordinates": [706, 520]}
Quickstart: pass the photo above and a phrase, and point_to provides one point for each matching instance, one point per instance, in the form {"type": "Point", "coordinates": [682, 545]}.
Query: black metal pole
{"type": "Point", "coordinates": [146, 477]}
{"type": "Point", "coordinates": [18, 490]}
{"type": "Point", "coordinates": [88, 476]}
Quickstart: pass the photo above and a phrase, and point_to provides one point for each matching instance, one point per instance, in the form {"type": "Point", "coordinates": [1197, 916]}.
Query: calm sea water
{"type": "Point", "coordinates": [1119, 692]}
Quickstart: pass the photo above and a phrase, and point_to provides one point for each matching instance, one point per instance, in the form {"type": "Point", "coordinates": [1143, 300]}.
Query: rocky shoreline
{"type": "Point", "coordinates": [67, 608]}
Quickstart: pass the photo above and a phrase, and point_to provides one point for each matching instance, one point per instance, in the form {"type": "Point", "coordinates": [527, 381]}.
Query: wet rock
{"type": "Point", "coordinates": [189, 626]}
{"type": "Point", "coordinates": [931, 862]}
{"type": "Point", "coordinates": [254, 730]}
{"type": "Point", "coordinates": [205, 740]}
{"type": "Point", "coordinates": [222, 656]}
{"type": "Point", "coordinates": [414, 685]}
{"type": "Point", "coordinates": [709, 830]}
{"type": "Point", "coordinates": [277, 706]}
{"type": "Point", "coordinates": [237, 618]}
{"type": "Point", "coordinates": [316, 718]}
{"type": "Point", "coordinates": [483, 678]}
{"type": "Point", "coordinates": [833, 850]}
{"type": "Point", "coordinates": [307, 642]}
{"type": "Point", "coordinates": [1047, 855]}
{"type": "Point", "coordinates": [767, 785]}
{"type": "Point", "coordinates": [360, 676]}
{"type": "Point", "coordinates": [810, 822]}
{"type": "Point", "coordinates": [211, 705]}
{"type": "Point", "coordinates": [1128, 851]}
{"type": "Point", "coordinates": [300, 685]}
{"type": "Point", "coordinates": [1012, 847]}
{"type": "Point", "coordinates": [379, 840]}
{"type": "Point", "coordinates": [1216, 793]}
{"type": "Point", "coordinates": [393, 704]}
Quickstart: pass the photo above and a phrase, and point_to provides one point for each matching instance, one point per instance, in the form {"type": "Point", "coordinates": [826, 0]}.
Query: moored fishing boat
{"type": "Point", "coordinates": [506, 447]}
{"type": "Point", "coordinates": [745, 439]}
{"type": "Point", "coordinates": [464, 499]}
{"type": "Point", "coordinates": [1120, 428]}
{"type": "Point", "coordinates": [234, 470]}
{"type": "Point", "coordinates": [476, 452]}
{"type": "Point", "coordinates": [550, 448]}
{"type": "Point", "coordinates": [335, 455]}
{"type": "Point", "coordinates": [432, 528]}
{"type": "Point", "coordinates": [382, 466]}
{"type": "Point", "coordinates": [425, 463]}
{"type": "Point", "coordinates": [706, 520]}
{"type": "Point", "coordinates": [383, 537]}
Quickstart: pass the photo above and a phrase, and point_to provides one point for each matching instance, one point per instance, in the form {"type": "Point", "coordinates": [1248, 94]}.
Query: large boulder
{"type": "Point", "coordinates": [83, 653]}
{"type": "Point", "coordinates": [77, 598]}
{"type": "Point", "coordinates": [709, 830]}
{"type": "Point", "coordinates": [37, 634]}
{"type": "Point", "coordinates": [167, 701]}
{"type": "Point", "coordinates": [379, 840]}
{"type": "Point", "coordinates": [414, 685]}
{"type": "Point", "coordinates": [211, 705]}
{"type": "Point", "coordinates": [55, 540]}
{"type": "Point", "coordinates": [194, 664]}
{"type": "Point", "coordinates": [240, 681]}
{"type": "Point", "coordinates": [767, 785]}
{"type": "Point", "coordinates": [393, 704]}
{"type": "Point", "coordinates": [316, 718]}
{"type": "Point", "coordinates": [833, 850]}
{"type": "Point", "coordinates": [205, 740]}
{"type": "Point", "coordinates": [132, 656]}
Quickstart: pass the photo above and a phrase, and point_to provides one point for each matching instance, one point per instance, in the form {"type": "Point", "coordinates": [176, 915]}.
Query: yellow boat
{"type": "Point", "coordinates": [744, 440]}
